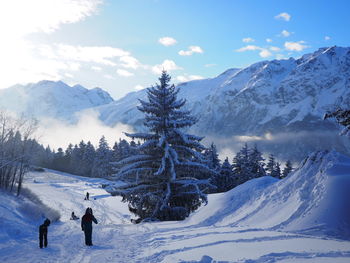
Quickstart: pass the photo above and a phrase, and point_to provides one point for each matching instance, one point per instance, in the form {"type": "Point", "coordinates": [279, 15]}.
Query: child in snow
{"type": "Point", "coordinates": [73, 217]}
{"type": "Point", "coordinates": [87, 196]}
{"type": "Point", "coordinates": [43, 233]}
{"type": "Point", "coordinates": [86, 225]}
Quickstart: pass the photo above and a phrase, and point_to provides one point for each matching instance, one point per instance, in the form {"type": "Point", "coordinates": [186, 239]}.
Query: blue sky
{"type": "Point", "coordinates": [122, 45]}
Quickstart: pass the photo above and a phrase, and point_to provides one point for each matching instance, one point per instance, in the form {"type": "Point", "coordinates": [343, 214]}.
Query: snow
{"type": "Point", "coordinates": [303, 218]}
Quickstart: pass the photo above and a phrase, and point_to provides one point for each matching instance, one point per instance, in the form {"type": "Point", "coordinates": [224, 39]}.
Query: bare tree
{"type": "Point", "coordinates": [16, 146]}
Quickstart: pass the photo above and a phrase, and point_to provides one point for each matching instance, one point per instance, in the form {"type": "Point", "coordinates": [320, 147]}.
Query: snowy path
{"type": "Point", "coordinates": [117, 240]}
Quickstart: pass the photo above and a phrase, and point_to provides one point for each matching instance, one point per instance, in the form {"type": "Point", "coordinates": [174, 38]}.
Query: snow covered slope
{"type": "Point", "coordinates": [51, 99]}
{"type": "Point", "coordinates": [280, 101]}
{"type": "Point", "coordinates": [303, 218]}
{"type": "Point", "coordinates": [314, 199]}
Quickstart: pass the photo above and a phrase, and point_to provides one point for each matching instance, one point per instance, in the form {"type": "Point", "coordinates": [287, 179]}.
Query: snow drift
{"type": "Point", "coordinates": [314, 199]}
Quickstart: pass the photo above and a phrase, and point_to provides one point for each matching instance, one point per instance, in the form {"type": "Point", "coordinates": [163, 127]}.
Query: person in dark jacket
{"type": "Point", "coordinates": [87, 196]}
{"type": "Point", "coordinates": [73, 216]}
{"type": "Point", "coordinates": [86, 225]}
{"type": "Point", "coordinates": [43, 233]}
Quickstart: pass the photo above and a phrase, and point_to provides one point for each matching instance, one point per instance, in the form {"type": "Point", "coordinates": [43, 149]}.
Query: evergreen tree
{"type": "Point", "coordinates": [68, 158]}
{"type": "Point", "coordinates": [270, 165]}
{"type": "Point", "coordinates": [212, 157]}
{"type": "Point", "coordinates": [256, 162]}
{"type": "Point", "coordinates": [58, 160]}
{"type": "Point", "coordinates": [287, 169]}
{"type": "Point", "coordinates": [102, 162]}
{"type": "Point", "coordinates": [276, 171]}
{"type": "Point", "coordinates": [88, 159]}
{"type": "Point", "coordinates": [241, 165]}
{"type": "Point", "coordinates": [225, 179]}
{"type": "Point", "coordinates": [165, 172]}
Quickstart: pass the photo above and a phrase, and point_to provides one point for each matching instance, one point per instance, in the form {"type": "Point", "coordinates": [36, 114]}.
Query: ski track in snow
{"type": "Point", "coordinates": [115, 239]}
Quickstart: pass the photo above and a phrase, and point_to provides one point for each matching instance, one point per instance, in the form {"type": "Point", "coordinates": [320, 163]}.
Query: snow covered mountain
{"type": "Point", "coordinates": [51, 99]}
{"type": "Point", "coordinates": [278, 104]}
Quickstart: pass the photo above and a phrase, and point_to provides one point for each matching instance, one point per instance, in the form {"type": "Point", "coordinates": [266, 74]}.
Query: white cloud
{"type": "Point", "coordinates": [124, 73]}
{"type": "Point", "coordinates": [191, 50]}
{"type": "Point", "coordinates": [23, 60]}
{"type": "Point", "coordinates": [248, 40]}
{"type": "Point", "coordinates": [19, 18]}
{"type": "Point", "coordinates": [264, 53]}
{"type": "Point", "coordinates": [88, 128]}
{"type": "Point", "coordinates": [130, 62]}
{"type": "Point", "coordinates": [268, 40]}
{"type": "Point", "coordinates": [275, 49]}
{"type": "Point", "coordinates": [210, 65]}
{"type": "Point", "coordinates": [108, 76]}
{"type": "Point", "coordinates": [97, 54]}
{"type": "Point", "coordinates": [327, 38]}
{"type": "Point", "coordinates": [283, 16]}
{"type": "Point", "coordinates": [185, 78]}
{"type": "Point", "coordinates": [248, 48]}
{"type": "Point", "coordinates": [167, 65]}
{"type": "Point", "coordinates": [295, 46]}
{"type": "Point", "coordinates": [68, 75]}
{"type": "Point", "coordinates": [95, 68]}
{"type": "Point", "coordinates": [167, 41]}
{"type": "Point", "coordinates": [285, 33]}
{"type": "Point", "coordinates": [139, 87]}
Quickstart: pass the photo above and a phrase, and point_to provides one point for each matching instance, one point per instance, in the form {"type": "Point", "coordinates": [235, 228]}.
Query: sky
{"type": "Point", "coordinates": [122, 45]}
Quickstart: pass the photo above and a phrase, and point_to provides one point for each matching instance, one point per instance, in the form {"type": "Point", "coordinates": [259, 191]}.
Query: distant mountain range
{"type": "Point", "coordinates": [276, 104]}
{"type": "Point", "coordinates": [51, 99]}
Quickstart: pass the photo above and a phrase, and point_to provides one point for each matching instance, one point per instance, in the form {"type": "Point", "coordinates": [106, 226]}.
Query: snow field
{"type": "Point", "coordinates": [299, 219]}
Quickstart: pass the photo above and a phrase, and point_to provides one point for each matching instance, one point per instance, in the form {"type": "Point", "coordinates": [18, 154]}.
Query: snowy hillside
{"type": "Point", "coordinates": [51, 99]}
{"type": "Point", "coordinates": [303, 218]}
{"type": "Point", "coordinates": [280, 102]}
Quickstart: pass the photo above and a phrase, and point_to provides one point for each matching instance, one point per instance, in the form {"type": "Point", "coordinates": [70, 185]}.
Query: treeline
{"type": "Point", "coordinates": [247, 164]}
{"type": "Point", "coordinates": [87, 160]}
{"type": "Point", "coordinates": [104, 161]}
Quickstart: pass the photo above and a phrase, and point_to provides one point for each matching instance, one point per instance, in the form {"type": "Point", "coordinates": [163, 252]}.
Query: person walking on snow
{"type": "Point", "coordinates": [43, 233]}
{"type": "Point", "coordinates": [86, 225]}
{"type": "Point", "coordinates": [87, 196]}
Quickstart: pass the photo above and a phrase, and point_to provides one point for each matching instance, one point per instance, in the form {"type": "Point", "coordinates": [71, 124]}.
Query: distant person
{"type": "Point", "coordinates": [73, 217]}
{"type": "Point", "coordinates": [87, 196]}
{"type": "Point", "coordinates": [43, 233]}
{"type": "Point", "coordinates": [86, 225]}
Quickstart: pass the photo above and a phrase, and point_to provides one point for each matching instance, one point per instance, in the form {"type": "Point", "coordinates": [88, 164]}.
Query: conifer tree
{"type": "Point", "coordinates": [270, 165]}
{"type": "Point", "coordinates": [225, 179]}
{"type": "Point", "coordinates": [241, 165]}
{"type": "Point", "coordinates": [212, 157]}
{"type": "Point", "coordinates": [165, 172]}
{"type": "Point", "coordinates": [88, 159]}
{"type": "Point", "coordinates": [276, 171]}
{"type": "Point", "coordinates": [287, 169]}
{"type": "Point", "coordinates": [102, 162]}
{"type": "Point", "coordinates": [256, 162]}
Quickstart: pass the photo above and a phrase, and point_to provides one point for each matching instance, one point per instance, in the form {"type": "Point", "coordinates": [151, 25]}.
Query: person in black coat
{"type": "Point", "coordinates": [43, 233]}
{"type": "Point", "coordinates": [86, 225]}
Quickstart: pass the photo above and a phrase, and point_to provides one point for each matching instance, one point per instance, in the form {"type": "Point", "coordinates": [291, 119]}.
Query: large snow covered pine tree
{"type": "Point", "coordinates": [167, 179]}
